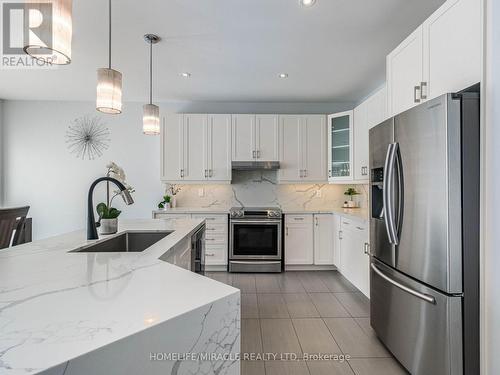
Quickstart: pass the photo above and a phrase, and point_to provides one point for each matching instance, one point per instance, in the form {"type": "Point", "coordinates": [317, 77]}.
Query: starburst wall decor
{"type": "Point", "coordinates": [87, 137]}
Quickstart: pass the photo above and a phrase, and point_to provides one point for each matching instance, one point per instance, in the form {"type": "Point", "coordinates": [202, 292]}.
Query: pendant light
{"type": "Point", "coordinates": [59, 31]}
{"type": "Point", "coordinates": [151, 112]}
{"type": "Point", "coordinates": [109, 84]}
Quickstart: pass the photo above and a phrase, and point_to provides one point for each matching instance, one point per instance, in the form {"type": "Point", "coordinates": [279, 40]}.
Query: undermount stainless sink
{"type": "Point", "coordinates": [124, 242]}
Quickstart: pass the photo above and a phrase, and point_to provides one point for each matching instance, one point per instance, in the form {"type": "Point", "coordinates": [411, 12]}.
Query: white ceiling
{"type": "Point", "coordinates": [234, 49]}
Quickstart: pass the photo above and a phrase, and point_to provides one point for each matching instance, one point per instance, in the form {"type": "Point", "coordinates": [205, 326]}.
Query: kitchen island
{"type": "Point", "coordinates": [64, 312]}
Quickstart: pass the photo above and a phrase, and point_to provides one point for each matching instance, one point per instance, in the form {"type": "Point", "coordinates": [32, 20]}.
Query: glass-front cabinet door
{"type": "Point", "coordinates": [340, 150]}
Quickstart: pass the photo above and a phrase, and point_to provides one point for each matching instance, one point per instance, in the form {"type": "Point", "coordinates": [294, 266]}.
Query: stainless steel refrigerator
{"type": "Point", "coordinates": [424, 235]}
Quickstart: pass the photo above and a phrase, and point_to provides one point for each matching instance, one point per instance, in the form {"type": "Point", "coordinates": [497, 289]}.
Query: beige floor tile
{"type": "Point", "coordinates": [336, 282]}
{"type": "Point", "coordinates": [356, 304]}
{"type": "Point", "coordinates": [251, 341]}
{"type": "Point", "coordinates": [249, 306]}
{"type": "Point", "coordinates": [377, 366]}
{"type": "Point", "coordinates": [312, 282]}
{"type": "Point", "coordinates": [278, 336]}
{"type": "Point", "coordinates": [328, 305]}
{"type": "Point", "coordinates": [299, 305]}
{"type": "Point", "coordinates": [252, 368]}
{"type": "Point", "coordinates": [272, 306]}
{"type": "Point", "coordinates": [223, 277]}
{"type": "Point", "coordinates": [329, 368]}
{"type": "Point", "coordinates": [267, 283]}
{"type": "Point", "coordinates": [314, 336]}
{"type": "Point", "coordinates": [286, 368]}
{"type": "Point", "coordinates": [353, 340]}
{"type": "Point", "coordinates": [244, 282]}
{"type": "Point", "coordinates": [289, 282]}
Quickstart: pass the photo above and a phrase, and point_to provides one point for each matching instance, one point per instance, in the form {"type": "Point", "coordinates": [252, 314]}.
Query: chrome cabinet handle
{"type": "Point", "coordinates": [416, 94]}
{"type": "Point", "coordinates": [330, 173]}
{"type": "Point", "coordinates": [317, 224]}
{"type": "Point", "coordinates": [423, 90]}
{"type": "Point", "coordinates": [206, 173]}
{"type": "Point", "coordinates": [367, 248]}
{"type": "Point", "coordinates": [298, 218]}
{"type": "Point", "coordinates": [210, 173]}
{"type": "Point", "coordinates": [340, 234]}
{"type": "Point", "coordinates": [423, 296]}
{"type": "Point", "coordinates": [300, 173]}
{"type": "Point", "coordinates": [258, 154]}
{"type": "Point", "coordinates": [182, 172]}
{"type": "Point", "coordinates": [360, 228]}
{"type": "Point", "coordinates": [209, 255]}
{"type": "Point", "coordinates": [253, 155]}
{"type": "Point", "coordinates": [305, 172]}
{"type": "Point", "coordinates": [287, 231]}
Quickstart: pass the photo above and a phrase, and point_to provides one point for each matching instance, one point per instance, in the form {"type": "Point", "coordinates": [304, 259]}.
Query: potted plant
{"type": "Point", "coordinates": [173, 190]}
{"type": "Point", "coordinates": [108, 215]}
{"type": "Point", "coordinates": [351, 192]}
{"type": "Point", "coordinates": [165, 204]}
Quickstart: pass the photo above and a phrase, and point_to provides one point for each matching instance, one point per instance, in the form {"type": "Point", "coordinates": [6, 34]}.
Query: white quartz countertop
{"type": "Point", "coordinates": [352, 213]}
{"type": "Point", "coordinates": [56, 306]}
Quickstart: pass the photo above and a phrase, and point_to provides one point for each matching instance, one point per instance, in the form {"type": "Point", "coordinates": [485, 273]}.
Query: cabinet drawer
{"type": "Point", "coordinates": [212, 219]}
{"type": "Point", "coordinates": [355, 225]}
{"type": "Point", "coordinates": [215, 238]}
{"type": "Point", "coordinates": [215, 255]}
{"type": "Point", "coordinates": [172, 216]}
{"type": "Point", "coordinates": [299, 219]}
{"type": "Point", "coordinates": [215, 228]}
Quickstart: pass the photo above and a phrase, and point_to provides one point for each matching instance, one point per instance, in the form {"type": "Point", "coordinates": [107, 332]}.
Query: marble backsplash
{"type": "Point", "coordinates": [260, 188]}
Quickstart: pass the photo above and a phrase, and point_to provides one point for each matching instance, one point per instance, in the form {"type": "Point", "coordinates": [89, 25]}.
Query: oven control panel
{"type": "Point", "coordinates": [239, 212]}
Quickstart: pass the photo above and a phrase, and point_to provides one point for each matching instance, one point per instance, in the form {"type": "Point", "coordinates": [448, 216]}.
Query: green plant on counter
{"type": "Point", "coordinates": [351, 192]}
{"type": "Point", "coordinates": [166, 201]}
{"type": "Point", "coordinates": [106, 212]}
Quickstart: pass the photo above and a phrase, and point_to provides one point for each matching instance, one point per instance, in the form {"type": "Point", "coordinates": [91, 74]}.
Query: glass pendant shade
{"type": "Point", "coordinates": [151, 119]}
{"type": "Point", "coordinates": [57, 31]}
{"type": "Point", "coordinates": [109, 91]}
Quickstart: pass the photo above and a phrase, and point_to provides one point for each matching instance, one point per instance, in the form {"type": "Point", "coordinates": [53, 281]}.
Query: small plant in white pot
{"type": "Point", "coordinates": [108, 215]}
{"type": "Point", "coordinates": [351, 192]}
{"type": "Point", "coordinates": [165, 203]}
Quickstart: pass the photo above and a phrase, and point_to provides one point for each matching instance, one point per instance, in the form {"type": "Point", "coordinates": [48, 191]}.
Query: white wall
{"type": "Point", "coordinates": [491, 202]}
{"type": "Point", "coordinates": [2, 141]}
{"type": "Point", "coordinates": [40, 171]}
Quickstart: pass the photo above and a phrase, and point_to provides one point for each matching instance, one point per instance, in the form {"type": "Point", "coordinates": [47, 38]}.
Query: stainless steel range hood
{"type": "Point", "coordinates": [255, 165]}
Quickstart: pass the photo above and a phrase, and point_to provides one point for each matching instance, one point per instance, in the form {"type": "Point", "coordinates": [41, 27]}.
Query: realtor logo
{"type": "Point", "coordinates": [24, 24]}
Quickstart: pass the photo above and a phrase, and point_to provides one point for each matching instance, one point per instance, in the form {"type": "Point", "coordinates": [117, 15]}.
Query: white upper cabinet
{"type": "Point", "coordinates": [366, 115]}
{"type": "Point", "coordinates": [405, 73]}
{"type": "Point", "coordinates": [267, 137]}
{"type": "Point", "coordinates": [443, 55]}
{"type": "Point", "coordinates": [171, 147]}
{"type": "Point", "coordinates": [302, 148]}
{"type": "Point", "coordinates": [195, 148]}
{"type": "Point", "coordinates": [255, 137]}
{"type": "Point", "coordinates": [243, 136]}
{"type": "Point", "coordinates": [323, 239]}
{"type": "Point", "coordinates": [340, 147]}
{"type": "Point", "coordinates": [290, 148]}
{"type": "Point", "coordinates": [452, 47]}
{"type": "Point", "coordinates": [314, 153]}
{"type": "Point", "coordinates": [219, 147]}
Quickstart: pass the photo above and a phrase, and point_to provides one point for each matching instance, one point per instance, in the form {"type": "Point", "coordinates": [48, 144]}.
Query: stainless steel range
{"type": "Point", "coordinates": [255, 239]}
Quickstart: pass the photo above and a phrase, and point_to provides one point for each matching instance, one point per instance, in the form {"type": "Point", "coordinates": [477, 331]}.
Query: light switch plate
{"type": "Point", "coordinates": [201, 192]}
{"type": "Point", "coordinates": [319, 193]}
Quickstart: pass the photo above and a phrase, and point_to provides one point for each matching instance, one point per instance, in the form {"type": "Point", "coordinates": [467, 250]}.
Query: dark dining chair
{"type": "Point", "coordinates": [12, 226]}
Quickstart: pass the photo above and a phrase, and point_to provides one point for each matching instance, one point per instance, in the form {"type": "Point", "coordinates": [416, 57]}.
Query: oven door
{"type": "Point", "coordinates": [255, 239]}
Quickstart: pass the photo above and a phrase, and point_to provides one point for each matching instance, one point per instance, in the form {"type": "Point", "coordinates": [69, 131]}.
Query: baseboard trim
{"type": "Point", "coordinates": [215, 268]}
{"type": "Point", "coordinates": [309, 268]}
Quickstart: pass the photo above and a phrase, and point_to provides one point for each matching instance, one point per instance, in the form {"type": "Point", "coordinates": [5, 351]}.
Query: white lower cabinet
{"type": "Point", "coordinates": [299, 241]}
{"type": "Point", "coordinates": [309, 240]}
{"type": "Point", "coordinates": [216, 235]}
{"type": "Point", "coordinates": [354, 261]}
{"type": "Point", "coordinates": [323, 239]}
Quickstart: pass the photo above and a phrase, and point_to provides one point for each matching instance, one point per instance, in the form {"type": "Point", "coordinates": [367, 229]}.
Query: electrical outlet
{"type": "Point", "coordinates": [319, 193]}
{"type": "Point", "coordinates": [201, 192]}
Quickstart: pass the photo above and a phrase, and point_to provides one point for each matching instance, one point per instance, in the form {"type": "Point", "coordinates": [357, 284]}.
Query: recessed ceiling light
{"type": "Point", "coordinates": [307, 3]}
{"type": "Point", "coordinates": [186, 74]}
{"type": "Point", "coordinates": [283, 75]}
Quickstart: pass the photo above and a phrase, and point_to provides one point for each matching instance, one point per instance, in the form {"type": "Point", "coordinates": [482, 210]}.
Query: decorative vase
{"type": "Point", "coordinates": [351, 204]}
{"type": "Point", "coordinates": [174, 202]}
{"type": "Point", "coordinates": [108, 226]}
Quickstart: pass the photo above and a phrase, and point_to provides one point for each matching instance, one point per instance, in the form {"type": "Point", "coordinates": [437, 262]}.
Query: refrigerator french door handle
{"type": "Point", "coordinates": [422, 296]}
{"type": "Point", "coordinates": [388, 194]}
{"type": "Point", "coordinates": [400, 181]}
